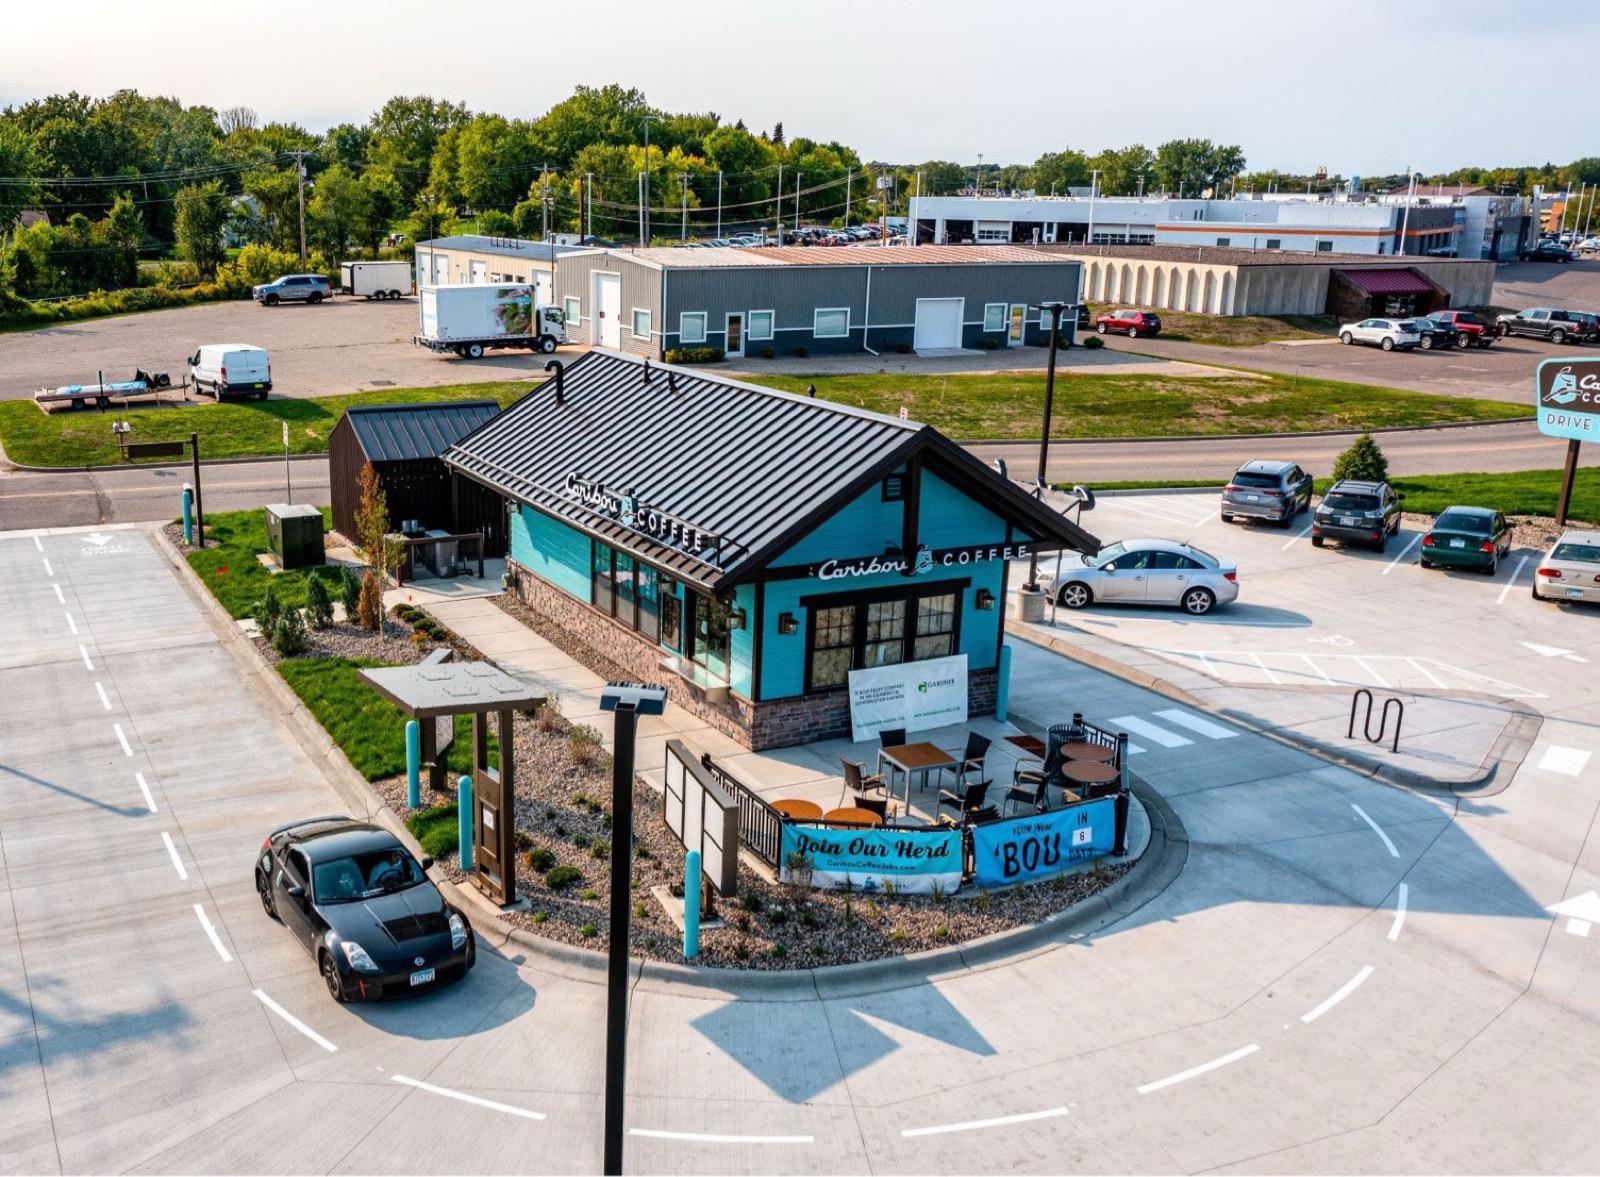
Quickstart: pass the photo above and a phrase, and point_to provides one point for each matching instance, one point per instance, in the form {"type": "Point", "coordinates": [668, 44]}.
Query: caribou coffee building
{"type": "Point", "coordinates": [748, 547]}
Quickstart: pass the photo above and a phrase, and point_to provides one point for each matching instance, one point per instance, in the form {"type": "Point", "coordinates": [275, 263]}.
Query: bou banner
{"type": "Point", "coordinates": [910, 695]}
{"type": "Point", "coordinates": [1043, 843]}
{"type": "Point", "coordinates": [912, 861]}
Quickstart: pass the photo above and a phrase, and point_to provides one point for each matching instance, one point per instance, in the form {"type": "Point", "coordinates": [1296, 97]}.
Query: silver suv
{"type": "Point", "coordinates": [1357, 512]}
{"type": "Point", "coordinates": [1272, 490]}
{"type": "Point", "coordinates": [312, 288]}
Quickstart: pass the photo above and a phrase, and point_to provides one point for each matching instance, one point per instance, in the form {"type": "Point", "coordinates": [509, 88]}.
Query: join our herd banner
{"type": "Point", "coordinates": [1042, 844]}
{"type": "Point", "coordinates": [908, 861]}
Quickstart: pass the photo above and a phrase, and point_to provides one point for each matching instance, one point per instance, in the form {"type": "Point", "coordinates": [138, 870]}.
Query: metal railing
{"type": "Point", "coordinates": [760, 825]}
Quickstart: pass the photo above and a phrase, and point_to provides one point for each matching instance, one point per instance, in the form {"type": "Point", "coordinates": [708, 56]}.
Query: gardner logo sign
{"type": "Point", "coordinates": [1569, 398]}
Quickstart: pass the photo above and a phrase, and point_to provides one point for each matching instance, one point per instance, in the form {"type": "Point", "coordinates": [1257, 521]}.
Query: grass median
{"type": "Point", "coordinates": [229, 567]}
{"type": "Point", "coordinates": [233, 429]}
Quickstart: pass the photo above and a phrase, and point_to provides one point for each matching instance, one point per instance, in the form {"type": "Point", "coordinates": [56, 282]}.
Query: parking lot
{"type": "Point", "coordinates": [344, 345]}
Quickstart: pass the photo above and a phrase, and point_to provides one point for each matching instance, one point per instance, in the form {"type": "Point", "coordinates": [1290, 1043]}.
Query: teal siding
{"type": "Point", "coordinates": [741, 642]}
{"type": "Point", "coordinates": [950, 519]}
{"type": "Point", "coordinates": [551, 550]}
{"type": "Point", "coordinates": [860, 528]}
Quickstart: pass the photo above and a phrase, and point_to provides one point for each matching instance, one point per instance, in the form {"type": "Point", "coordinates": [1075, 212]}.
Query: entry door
{"type": "Point", "coordinates": [441, 269]}
{"type": "Point", "coordinates": [608, 309]}
{"type": "Point", "coordinates": [938, 323]}
{"type": "Point", "coordinates": [1019, 316]}
{"type": "Point", "coordinates": [735, 341]}
{"type": "Point", "coordinates": [477, 272]}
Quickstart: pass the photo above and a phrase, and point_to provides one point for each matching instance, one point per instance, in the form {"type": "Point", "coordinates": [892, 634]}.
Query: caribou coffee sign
{"type": "Point", "coordinates": [1569, 398]}
{"type": "Point", "coordinates": [923, 561]}
{"type": "Point", "coordinates": [627, 510]}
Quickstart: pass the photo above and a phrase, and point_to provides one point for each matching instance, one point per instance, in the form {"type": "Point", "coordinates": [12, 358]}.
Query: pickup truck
{"type": "Point", "coordinates": [1471, 330]}
{"type": "Point", "coordinates": [1543, 323]}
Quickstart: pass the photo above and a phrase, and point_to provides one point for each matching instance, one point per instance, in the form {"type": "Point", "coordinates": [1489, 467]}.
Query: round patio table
{"type": "Point", "coordinates": [1087, 772]}
{"type": "Point", "coordinates": [1085, 750]}
{"type": "Point", "coordinates": [850, 815]}
{"type": "Point", "coordinates": [797, 809]}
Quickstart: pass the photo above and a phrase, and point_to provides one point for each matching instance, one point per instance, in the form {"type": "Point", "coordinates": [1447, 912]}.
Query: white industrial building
{"type": "Point", "coordinates": [471, 257]}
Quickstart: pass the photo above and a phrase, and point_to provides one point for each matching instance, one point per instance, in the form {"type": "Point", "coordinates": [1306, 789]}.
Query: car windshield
{"type": "Point", "coordinates": [362, 876]}
{"type": "Point", "coordinates": [1351, 502]}
{"type": "Point", "coordinates": [1469, 521]}
{"type": "Point", "coordinates": [1106, 554]}
{"type": "Point", "coordinates": [1580, 553]}
{"type": "Point", "coordinates": [1246, 478]}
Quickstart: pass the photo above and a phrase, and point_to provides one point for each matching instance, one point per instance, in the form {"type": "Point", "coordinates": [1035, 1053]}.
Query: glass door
{"type": "Point", "coordinates": [1019, 316]}
{"type": "Point", "coordinates": [734, 345]}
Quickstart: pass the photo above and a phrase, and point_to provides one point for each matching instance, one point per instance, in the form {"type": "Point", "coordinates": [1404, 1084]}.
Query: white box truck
{"type": "Point", "coordinates": [470, 319]}
{"type": "Point", "coordinates": [375, 279]}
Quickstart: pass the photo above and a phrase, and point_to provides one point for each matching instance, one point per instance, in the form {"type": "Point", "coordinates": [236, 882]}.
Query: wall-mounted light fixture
{"type": "Point", "coordinates": [736, 617]}
{"type": "Point", "coordinates": [985, 599]}
{"type": "Point", "coordinates": [788, 623]}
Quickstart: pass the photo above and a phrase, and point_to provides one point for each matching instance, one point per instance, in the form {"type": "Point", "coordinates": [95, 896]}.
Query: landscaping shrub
{"type": "Point", "coordinates": [693, 355]}
{"type": "Point", "coordinates": [1093, 341]}
{"type": "Point", "coordinates": [585, 745]}
{"type": "Point", "coordinates": [600, 849]}
{"type": "Point", "coordinates": [319, 605]}
{"type": "Point", "coordinates": [767, 353]}
{"type": "Point", "coordinates": [801, 352]}
{"type": "Point", "coordinates": [350, 594]}
{"type": "Point", "coordinates": [903, 348]}
{"type": "Point", "coordinates": [561, 876]}
{"type": "Point", "coordinates": [267, 612]}
{"type": "Point", "coordinates": [435, 829]}
{"type": "Point", "coordinates": [289, 635]}
{"type": "Point", "coordinates": [991, 344]}
{"type": "Point", "coordinates": [1363, 461]}
{"type": "Point", "coordinates": [540, 859]}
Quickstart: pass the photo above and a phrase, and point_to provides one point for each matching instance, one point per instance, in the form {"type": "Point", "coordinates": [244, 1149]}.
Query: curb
{"type": "Point", "coordinates": [1507, 751]}
{"type": "Point", "coordinates": [1033, 443]}
{"type": "Point", "coordinates": [1155, 870]}
{"type": "Point", "coordinates": [321, 455]}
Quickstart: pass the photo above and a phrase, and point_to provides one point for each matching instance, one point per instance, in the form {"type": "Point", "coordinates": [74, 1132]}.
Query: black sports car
{"type": "Point", "coordinates": [363, 907]}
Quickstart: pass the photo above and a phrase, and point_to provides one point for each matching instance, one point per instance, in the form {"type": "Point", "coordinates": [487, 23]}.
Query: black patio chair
{"type": "Point", "coordinates": [882, 806]}
{"type": "Point", "coordinates": [971, 760]}
{"type": "Point", "coordinates": [966, 802]}
{"type": "Point", "coordinates": [890, 737]}
{"type": "Point", "coordinates": [860, 784]}
{"type": "Point", "coordinates": [1030, 786]}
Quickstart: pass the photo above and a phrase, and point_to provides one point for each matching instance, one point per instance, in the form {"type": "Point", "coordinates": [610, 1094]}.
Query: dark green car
{"type": "Point", "coordinates": [1467, 537]}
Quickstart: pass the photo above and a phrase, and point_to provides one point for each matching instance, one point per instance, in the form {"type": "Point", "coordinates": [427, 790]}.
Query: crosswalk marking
{"type": "Point", "coordinates": [1197, 723]}
{"type": "Point", "coordinates": [1566, 761]}
{"type": "Point", "coordinates": [1156, 735]}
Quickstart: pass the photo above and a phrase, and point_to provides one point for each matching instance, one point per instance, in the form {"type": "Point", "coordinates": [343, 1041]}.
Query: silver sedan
{"type": "Point", "coordinates": [1146, 572]}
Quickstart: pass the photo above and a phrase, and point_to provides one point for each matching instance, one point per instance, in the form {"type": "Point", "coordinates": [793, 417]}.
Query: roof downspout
{"type": "Point", "coordinates": [867, 326]}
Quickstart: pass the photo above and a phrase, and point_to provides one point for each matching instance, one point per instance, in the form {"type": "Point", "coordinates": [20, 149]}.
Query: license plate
{"type": "Point", "coordinates": [1574, 592]}
{"type": "Point", "coordinates": [1346, 521]}
{"type": "Point", "coordinates": [1458, 543]}
{"type": "Point", "coordinates": [422, 977]}
{"type": "Point", "coordinates": [1252, 498]}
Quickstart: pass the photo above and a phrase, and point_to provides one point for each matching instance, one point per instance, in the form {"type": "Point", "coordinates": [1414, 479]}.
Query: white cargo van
{"type": "Point", "coordinates": [231, 369]}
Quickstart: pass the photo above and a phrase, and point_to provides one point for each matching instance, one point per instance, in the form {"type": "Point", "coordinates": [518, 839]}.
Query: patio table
{"type": "Point", "coordinates": [1087, 750]}
{"type": "Point", "coordinates": [922, 757]}
{"type": "Point", "coordinates": [850, 815]}
{"type": "Point", "coordinates": [797, 809]}
{"type": "Point", "coordinates": [1089, 773]}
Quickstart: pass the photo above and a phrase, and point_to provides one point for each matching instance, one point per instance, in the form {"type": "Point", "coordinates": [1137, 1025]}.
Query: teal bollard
{"type": "Point", "coordinates": [691, 904]}
{"type": "Point", "coordinates": [1002, 689]}
{"type": "Point", "coordinates": [464, 821]}
{"type": "Point", "coordinates": [188, 516]}
{"type": "Point", "coordinates": [413, 764]}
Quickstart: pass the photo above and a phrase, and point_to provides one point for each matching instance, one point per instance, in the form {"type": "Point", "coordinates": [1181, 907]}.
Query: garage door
{"type": "Point", "coordinates": [938, 323]}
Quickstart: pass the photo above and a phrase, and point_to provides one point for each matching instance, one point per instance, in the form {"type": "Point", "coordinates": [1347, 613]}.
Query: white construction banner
{"type": "Point", "coordinates": [913, 695]}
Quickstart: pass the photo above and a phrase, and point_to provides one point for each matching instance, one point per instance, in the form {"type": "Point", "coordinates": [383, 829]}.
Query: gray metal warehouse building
{"type": "Point", "coordinates": [825, 300]}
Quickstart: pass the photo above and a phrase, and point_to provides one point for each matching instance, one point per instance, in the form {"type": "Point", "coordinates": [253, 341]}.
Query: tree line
{"type": "Point", "coordinates": [128, 176]}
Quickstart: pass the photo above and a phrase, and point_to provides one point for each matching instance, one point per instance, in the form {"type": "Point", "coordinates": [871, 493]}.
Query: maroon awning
{"type": "Point", "coordinates": [1387, 281]}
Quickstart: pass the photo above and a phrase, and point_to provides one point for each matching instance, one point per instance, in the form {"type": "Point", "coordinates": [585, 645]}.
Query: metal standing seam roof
{"type": "Point", "coordinates": [542, 251]}
{"type": "Point", "coordinates": [757, 467]}
{"type": "Point", "coordinates": [407, 432]}
{"type": "Point", "coordinates": [723, 257]}
{"type": "Point", "coordinates": [1398, 281]}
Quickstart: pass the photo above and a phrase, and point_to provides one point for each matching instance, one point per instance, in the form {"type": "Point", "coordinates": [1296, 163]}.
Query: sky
{"type": "Point", "coordinates": [1364, 87]}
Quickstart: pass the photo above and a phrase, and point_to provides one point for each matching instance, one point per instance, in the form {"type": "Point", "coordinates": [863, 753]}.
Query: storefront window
{"type": "Point", "coordinates": [886, 634]}
{"type": "Point", "coordinates": [833, 646]}
{"type": "Point", "coordinates": [625, 590]}
{"type": "Point", "coordinates": [936, 626]}
{"type": "Point", "coordinates": [649, 619]}
{"type": "Point", "coordinates": [604, 597]}
{"type": "Point", "coordinates": [709, 620]}
{"type": "Point", "coordinates": [671, 621]}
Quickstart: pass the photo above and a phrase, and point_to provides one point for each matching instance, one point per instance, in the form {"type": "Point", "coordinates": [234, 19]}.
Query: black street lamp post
{"type": "Point", "coordinates": [1055, 309]}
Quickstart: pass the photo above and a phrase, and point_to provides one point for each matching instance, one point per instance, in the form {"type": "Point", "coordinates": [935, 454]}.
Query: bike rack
{"type": "Point", "coordinates": [1383, 719]}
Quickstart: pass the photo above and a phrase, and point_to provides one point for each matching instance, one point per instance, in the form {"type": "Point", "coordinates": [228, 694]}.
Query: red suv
{"type": "Point", "coordinates": [1474, 332]}
{"type": "Point", "coordinates": [1131, 323]}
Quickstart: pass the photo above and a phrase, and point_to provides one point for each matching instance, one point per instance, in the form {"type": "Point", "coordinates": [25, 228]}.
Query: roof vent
{"type": "Point", "coordinates": [561, 391]}
{"type": "Point", "coordinates": [672, 381]}
{"type": "Point", "coordinates": [811, 390]}
{"type": "Point", "coordinates": [647, 370]}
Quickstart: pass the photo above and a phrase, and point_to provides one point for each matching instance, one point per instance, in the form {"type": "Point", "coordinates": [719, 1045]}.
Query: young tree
{"type": "Point", "coordinates": [201, 218]}
{"type": "Point", "coordinates": [1363, 461]}
{"type": "Point", "coordinates": [382, 554]}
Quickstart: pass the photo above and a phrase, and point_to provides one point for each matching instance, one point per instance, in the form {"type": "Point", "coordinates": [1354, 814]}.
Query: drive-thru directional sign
{"type": "Point", "coordinates": [1569, 398]}
{"type": "Point", "coordinates": [1582, 912]}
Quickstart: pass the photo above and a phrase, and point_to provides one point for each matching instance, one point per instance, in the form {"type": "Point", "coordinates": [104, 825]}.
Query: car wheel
{"type": "Point", "coordinates": [271, 300]}
{"type": "Point", "coordinates": [395, 294]}
{"type": "Point", "coordinates": [1346, 338]}
{"type": "Point", "coordinates": [1533, 590]}
{"type": "Point", "coordinates": [330, 978]}
{"type": "Point", "coordinates": [547, 344]}
{"type": "Point", "coordinates": [1100, 327]}
{"type": "Point", "coordinates": [474, 351]}
{"type": "Point", "coordinates": [1493, 567]}
{"type": "Point", "coordinates": [1133, 333]}
{"type": "Point", "coordinates": [1316, 541]}
{"type": "Point", "coordinates": [377, 294]}
{"type": "Point", "coordinates": [1558, 337]}
{"type": "Point", "coordinates": [1198, 601]}
{"type": "Point", "coordinates": [261, 396]}
{"type": "Point", "coordinates": [1074, 596]}
{"type": "Point", "coordinates": [1427, 343]}
{"type": "Point", "coordinates": [1288, 518]}
{"type": "Point", "coordinates": [1227, 518]}
{"type": "Point", "coordinates": [1426, 563]}
{"type": "Point", "coordinates": [264, 889]}
{"type": "Point", "coordinates": [316, 297]}
{"type": "Point", "coordinates": [1387, 344]}
{"type": "Point", "coordinates": [1382, 544]}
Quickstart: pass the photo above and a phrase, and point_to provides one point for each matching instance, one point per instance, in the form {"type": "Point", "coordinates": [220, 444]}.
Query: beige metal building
{"type": "Point", "coordinates": [472, 258]}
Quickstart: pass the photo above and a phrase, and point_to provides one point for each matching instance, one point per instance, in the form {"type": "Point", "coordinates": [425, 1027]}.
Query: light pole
{"type": "Point", "coordinates": [1055, 309]}
{"type": "Point", "coordinates": [644, 201]}
{"type": "Point", "coordinates": [626, 701]}
{"type": "Point", "coordinates": [1094, 182]}
{"type": "Point", "coordinates": [977, 177]}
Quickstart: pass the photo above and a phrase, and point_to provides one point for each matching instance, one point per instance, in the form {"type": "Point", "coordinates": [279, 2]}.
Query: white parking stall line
{"type": "Point", "coordinates": [1294, 539]}
{"type": "Point", "coordinates": [37, 543]}
{"type": "Point", "coordinates": [172, 850]}
{"type": "Point", "coordinates": [465, 1098]}
{"type": "Point", "coordinates": [1197, 723]}
{"type": "Point", "coordinates": [145, 789]}
{"type": "Point", "coordinates": [1399, 912]}
{"type": "Point", "coordinates": [1317, 670]}
{"type": "Point", "coordinates": [1265, 669]}
{"type": "Point", "coordinates": [1164, 513]}
{"type": "Point", "coordinates": [1181, 1076]}
{"type": "Point", "coordinates": [297, 1023]}
{"type": "Point", "coordinates": [1371, 673]}
{"type": "Point", "coordinates": [718, 1137]}
{"type": "Point", "coordinates": [973, 1125]}
{"type": "Point", "coordinates": [1515, 572]}
{"type": "Point", "coordinates": [1404, 552]}
{"type": "Point", "coordinates": [1425, 672]}
{"type": "Point", "coordinates": [1156, 735]}
{"type": "Point", "coordinates": [49, 569]}
{"type": "Point", "coordinates": [216, 940]}
{"type": "Point", "coordinates": [1393, 853]}
{"type": "Point", "coordinates": [1566, 761]}
{"type": "Point", "coordinates": [1208, 667]}
{"type": "Point", "coordinates": [101, 691]}
{"type": "Point", "coordinates": [61, 597]}
{"type": "Point", "coordinates": [127, 748]}
{"type": "Point", "coordinates": [84, 650]}
{"type": "Point", "coordinates": [1345, 990]}
{"type": "Point", "coordinates": [71, 624]}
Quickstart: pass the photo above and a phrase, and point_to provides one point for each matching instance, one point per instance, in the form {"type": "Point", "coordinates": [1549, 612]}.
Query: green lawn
{"type": "Point", "coordinates": [234, 575]}
{"type": "Point", "coordinates": [232, 429]}
{"type": "Point", "coordinates": [1009, 404]}
{"type": "Point", "coordinates": [1233, 330]}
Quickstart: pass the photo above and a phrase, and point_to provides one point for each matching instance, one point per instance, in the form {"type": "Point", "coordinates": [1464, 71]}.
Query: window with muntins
{"type": "Point", "coordinates": [833, 649]}
{"type": "Point", "coordinates": [879, 630]}
{"type": "Point", "coordinates": [936, 626]}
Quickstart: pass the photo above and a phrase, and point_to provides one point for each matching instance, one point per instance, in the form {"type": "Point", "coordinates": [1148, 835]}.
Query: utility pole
{"type": "Point", "coordinates": [588, 192]}
{"type": "Point", "coordinates": [1405, 219]}
{"type": "Point", "coordinates": [544, 203]}
{"type": "Point", "coordinates": [1055, 309]}
{"type": "Point", "coordinates": [1094, 182]}
{"type": "Point", "coordinates": [797, 202]}
{"type": "Point", "coordinates": [300, 177]}
{"type": "Point", "coordinates": [847, 198]}
{"type": "Point", "coordinates": [644, 199]}
{"type": "Point", "coordinates": [977, 177]}
{"type": "Point", "coordinates": [778, 218]}
{"type": "Point", "coordinates": [683, 229]}
{"type": "Point", "coordinates": [719, 203]}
